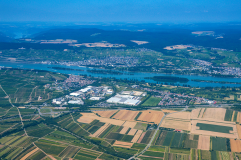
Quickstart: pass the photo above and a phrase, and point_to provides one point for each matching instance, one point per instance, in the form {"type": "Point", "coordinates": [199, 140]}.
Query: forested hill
{"type": "Point", "coordinates": [157, 40]}
{"type": "Point", "coordinates": [4, 38]}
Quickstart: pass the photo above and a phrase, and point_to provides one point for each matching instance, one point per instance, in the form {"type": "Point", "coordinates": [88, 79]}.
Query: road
{"type": "Point", "coordinates": [20, 116]}
{"type": "Point", "coordinates": [154, 135]}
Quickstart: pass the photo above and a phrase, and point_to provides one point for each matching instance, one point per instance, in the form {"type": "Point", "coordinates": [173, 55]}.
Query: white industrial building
{"type": "Point", "coordinates": [75, 94]}
{"type": "Point", "coordinates": [76, 102]}
{"type": "Point", "coordinates": [125, 99]}
{"type": "Point", "coordinates": [95, 98]}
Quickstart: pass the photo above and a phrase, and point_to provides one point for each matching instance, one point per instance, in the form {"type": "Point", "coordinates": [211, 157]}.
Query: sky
{"type": "Point", "coordinates": [120, 10]}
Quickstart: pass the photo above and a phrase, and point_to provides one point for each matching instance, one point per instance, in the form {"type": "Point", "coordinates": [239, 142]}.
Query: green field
{"type": "Point", "coordinates": [147, 137]}
{"type": "Point", "coordinates": [152, 101]}
{"type": "Point", "coordinates": [138, 146]}
{"type": "Point", "coordinates": [214, 128]}
{"type": "Point", "coordinates": [153, 154]}
{"type": "Point", "coordinates": [157, 148]}
{"type": "Point", "coordinates": [219, 144]}
{"type": "Point", "coordinates": [168, 138]}
{"type": "Point", "coordinates": [20, 85]}
{"type": "Point", "coordinates": [178, 140]}
{"type": "Point", "coordinates": [191, 143]}
{"type": "Point", "coordinates": [228, 115]}
{"type": "Point", "coordinates": [51, 149]}
{"type": "Point", "coordinates": [140, 126]}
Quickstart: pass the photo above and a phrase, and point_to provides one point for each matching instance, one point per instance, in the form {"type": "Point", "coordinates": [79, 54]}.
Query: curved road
{"type": "Point", "coordinates": [154, 135]}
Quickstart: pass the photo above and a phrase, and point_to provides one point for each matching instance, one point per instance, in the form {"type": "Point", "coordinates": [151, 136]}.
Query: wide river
{"type": "Point", "coordinates": [140, 76]}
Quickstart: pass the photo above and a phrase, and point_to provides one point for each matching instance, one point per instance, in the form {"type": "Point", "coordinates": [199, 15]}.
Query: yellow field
{"type": "Point", "coordinates": [239, 130]}
{"type": "Point", "coordinates": [126, 115]}
{"type": "Point", "coordinates": [151, 116]}
{"type": "Point", "coordinates": [132, 132]}
{"type": "Point", "coordinates": [180, 115]}
{"type": "Point", "coordinates": [136, 137]}
{"type": "Point", "coordinates": [168, 111]}
{"type": "Point", "coordinates": [129, 124]}
{"type": "Point", "coordinates": [176, 124]}
{"type": "Point", "coordinates": [106, 114]}
{"type": "Point", "coordinates": [123, 131]}
{"type": "Point", "coordinates": [123, 144]}
{"type": "Point", "coordinates": [100, 130]}
{"type": "Point", "coordinates": [204, 142]}
{"type": "Point", "coordinates": [89, 117]}
{"type": "Point", "coordinates": [29, 154]}
{"type": "Point", "coordinates": [214, 114]}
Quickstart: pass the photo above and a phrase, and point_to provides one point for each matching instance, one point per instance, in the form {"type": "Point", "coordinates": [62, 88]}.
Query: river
{"type": "Point", "coordinates": [140, 76]}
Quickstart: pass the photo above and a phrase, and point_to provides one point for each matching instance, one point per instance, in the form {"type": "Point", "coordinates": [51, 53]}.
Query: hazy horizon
{"type": "Point", "coordinates": [125, 11]}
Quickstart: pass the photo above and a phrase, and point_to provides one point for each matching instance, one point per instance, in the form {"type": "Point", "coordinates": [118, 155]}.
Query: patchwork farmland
{"type": "Point", "coordinates": [182, 135]}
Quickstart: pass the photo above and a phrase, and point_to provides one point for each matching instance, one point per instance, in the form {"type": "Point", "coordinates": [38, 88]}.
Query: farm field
{"type": "Point", "coordinates": [220, 129]}
{"type": "Point", "coordinates": [235, 145]}
{"type": "Point", "coordinates": [152, 101]}
{"type": "Point", "coordinates": [126, 115]}
{"type": "Point", "coordinates": [106, 114]}
{"type": "Point", "coordinates": [204, 142]}
{"type": "Point", "coordinates": [180, 124]}
{"type": "Point", "coordinates": [151, 116]}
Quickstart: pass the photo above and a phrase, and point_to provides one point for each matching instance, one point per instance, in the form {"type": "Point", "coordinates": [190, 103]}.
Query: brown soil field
{"type": "Point", "coordinates": [176, 124]}
{"type": "Point", "coordinates": [126, 115]}
{"type": "Point", "coordinates": [195, 129]}
{"type": "Point", "coordinates": [180, 115]}
{"type": "Point", "coordinates": [141, 137]}
{"type": "Point", "coordinates": [235, 145]}
{"type": "Point", "coordinates": [151, 116]}
{"type": "Point", "coordinates": [124, 129]}
{"type": "Point", "coordinates": [129, 124]}
{"type": "Point", "coordinates": [203, 142]}
{"type": "Point", "coordinates": [106, 114]}
{"type": "Point", "coordinates": [100, 130]}
{"type": "Point", "coordinates": [136, 137]}
{"type": "Point", "coordinates": [239, 130]}
{"type": "Point", "coordinates": [89, 117]}
{"type": "Point", "coordinates": [123, 144]}
{"type": "Point", "coordinates": [29, 154]}
{"type": "Point", "coordinates": [132, 132]}
{"type": "Point", "coordinates": [215, 114]}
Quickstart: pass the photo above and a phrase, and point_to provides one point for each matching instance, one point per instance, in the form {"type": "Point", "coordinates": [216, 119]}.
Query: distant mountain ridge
{"type": "Point", "coordinates": [4, 38]}
{"type": "Point", "coordinates": [157, 40]}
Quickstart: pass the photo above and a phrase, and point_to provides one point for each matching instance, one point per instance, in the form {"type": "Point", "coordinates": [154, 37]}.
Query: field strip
{"type": "Point", "coordinates": [29, 154]}
{"type": "Point", "coordinates": [124, 129]}
{"type": "Point", "coordinates": [16, 107]}
{"type": "Point", "coordinates": [100, 130]}
{"type": "Point", "coordinates": [204, 142]}
{"type": "Point", "coordinates": [63, 119]}
{"type": "Point", "coordinates": [132, 132]}
{"type": "Point", "coordinates": [136, 137]}
{"type": "Point", "coordinates": [63, 151]}
{"type": "Point", "coordinates": [30, 96]}
{"type": "Point", "coordinates": [150, 156]}
{"type": "Point", "coordinates": [78, 124]}
{"type": "Point", "coordinates": [42, 151]}
{"type": "Point", "coordinates": [9, 128]}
